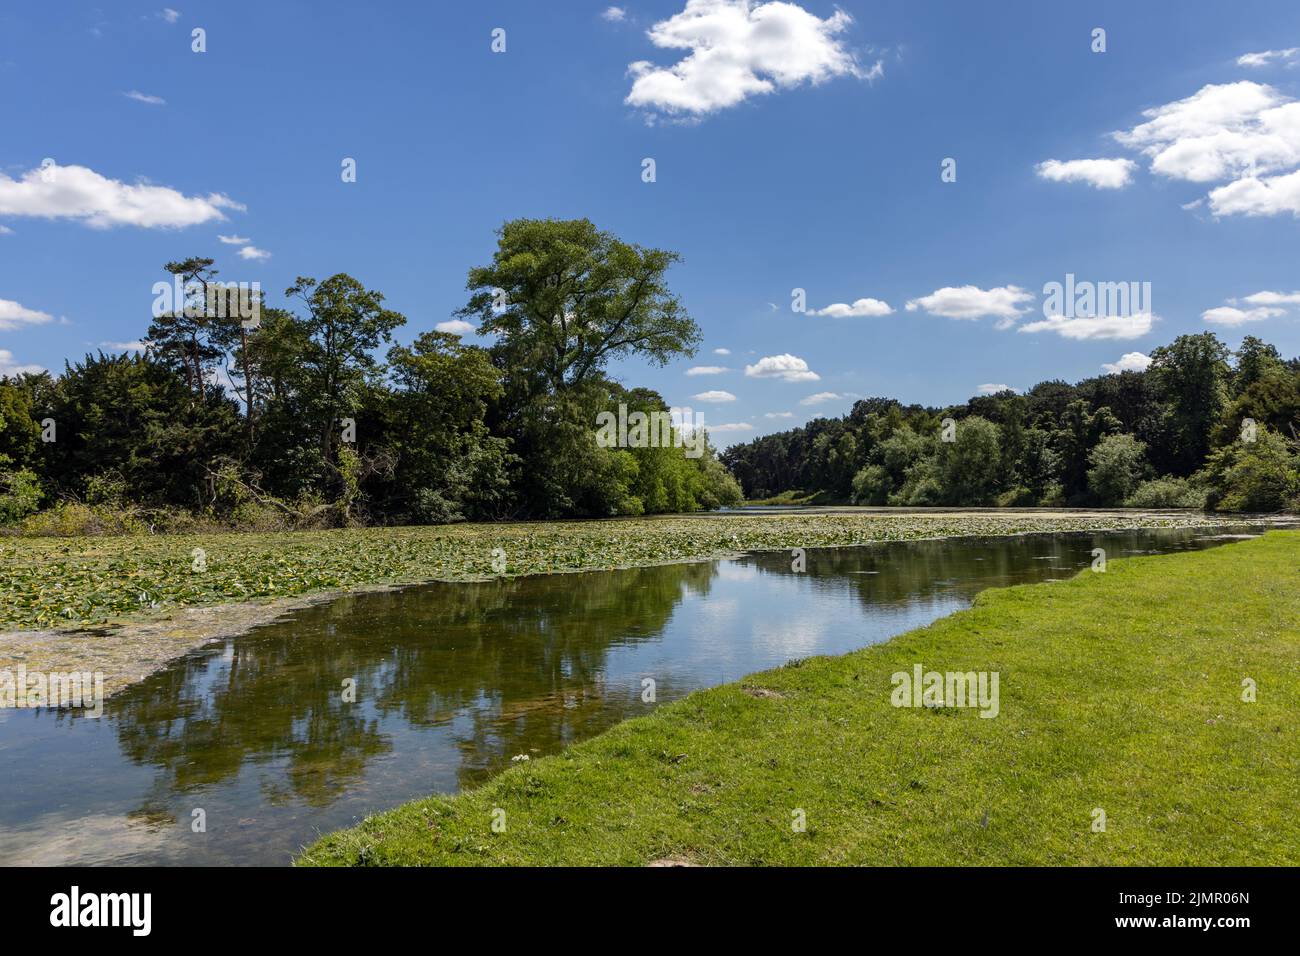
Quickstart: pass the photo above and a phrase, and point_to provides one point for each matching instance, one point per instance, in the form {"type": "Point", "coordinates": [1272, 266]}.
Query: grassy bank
{"type": "Point", "coordinates": [71, 582]}
{"type": "Point", "coordinates": [1120, 691]}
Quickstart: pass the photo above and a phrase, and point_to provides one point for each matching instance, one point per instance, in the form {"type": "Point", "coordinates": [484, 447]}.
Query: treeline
{"type": "Point", "coordinates": [311, 415]}
{"type": "Point", "coordinates": [1200, 427]}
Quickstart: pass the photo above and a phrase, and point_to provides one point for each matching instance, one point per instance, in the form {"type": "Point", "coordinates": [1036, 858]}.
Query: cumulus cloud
{"type": "Point", "coordinates": [1128, 362]}
{"type": "Point", "coordinates": [145, 98]}
{"type": "Point", "coordinates": [1273, 298]}
{"type": "Point", "coordinates": [819, 398]}
{"type": "Point", "coordinates": [1094, 326]}
{"type": "Point", "coordinates": [9, 366]}
{"type": "Point", "coordinates": [75, 192]}
{"type": "Point", "coordinates": [716, 395]}
{"type": "Point", "coordinates": [971, 302]}
{"type": "Point", "coordinates": [786, 367]}
{"type": "Point", "coordinates": [233, 240]}
{"type": "Point", "coordinates": [1252, 196]}
{"type": "Point", "coordinates": [139, 346]}
{"type": "Point", "coordinates": [1097, 173]}
{"type": "Point", "coordinates": [1265, 57]}
{"type": "Point", "coordinates": [614, 14]}
{"type": "Point", "coordinates": [840, 310]}
{"type": "Point", "coordinates": [1231, 315]}
{"type": "Point", "coordinates": [6, 231]}
{"type": "Point", "coordinates": [455, 327]}
{"type": "Point", "coordinates": [707, 370]}
{"type": "Point", "coordinates": [778, 415]}
{"type": "Point", "coordinates": [253, 253]}
{"type": "Point", "coordinates": [170, 15]}
{"type": "Point", "coordinates": [1245, 135]}
{"type": "Point", "coordinates": [990, 388]}
{"type": "Point", "coordinates": [722, 351]}
{"type": "Point", "coordinates": [729, 427]}
{"type": "Point", "coordinates": [735, 49]}
{"type": "Point", "coordinates": [1219, 132]}
{"type": "Point", "coordinates": [14, 316]}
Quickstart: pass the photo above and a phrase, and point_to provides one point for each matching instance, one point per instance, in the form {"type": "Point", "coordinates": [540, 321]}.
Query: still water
{"type": "Point", "coordinates": [452, 681]}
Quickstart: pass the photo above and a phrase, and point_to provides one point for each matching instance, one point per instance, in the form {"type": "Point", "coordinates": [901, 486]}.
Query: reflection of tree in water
{"type": "Point", "coordinates": [522, 659]}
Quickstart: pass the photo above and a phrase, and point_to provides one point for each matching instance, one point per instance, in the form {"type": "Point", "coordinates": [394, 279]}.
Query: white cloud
{"type": "Point", "coordinates": [233, 240]}
{"type": "Point", "coordinates": [778, 415]}
{"type": "Point", "coordinates": [124, 346]}
{"type": "Point", "coordinates": [729, 427]}
{"type": "Point", "coordinates": [1273, 298]}
{"type": "Point", "coordinates": [717, 395]}
{"type": "Point", "coordinates": [972, 302]}
{"type": "Point", "coordinates": [722, 351]}
{"type": "Point", "coordinates": [170, 15]}
{"type": "Point", "coordinates": [1128, 362]}
{"type": "Point", "coordinates": [840, 310]}
{"type": "Point", "coordinates": [14, 316]}
{"type": "Point", "coordinates": [1265, 57]}
{"type": "Point", "coordinates": [455, 327]}
{"type": "Point", "coordinates": [145, 98]}
{"type": "Point", "coordinates": [1230, 315]}
{"type": "Point", "coordinates": [1220, 132]}
{"type": "Point", "coordinates": [707, 370]}
{"type": "Point", "coordinates": [614, 14]}
{"type": "Point", "coordinates": [6, 231]}
{"type": "Point", "coordinates": [1258, 197]}
{"type": "Point", "coordinates": [991, 389]}
{"type": "Point", "coordinates": [1097, 173]}
{"type": "Point", "coordinates": [1094, 327]}
{"type": "Point", "coordinates": [9, 367]}
{"type": "Point", "coordinates": [737, 49]}
{"type": "Point", "coordinates": [786, 367]}
{"type": "Point", "coordinates": [254, 253]}
{"type": "Point", "coordinates": [75, 192]}
{"type": "Point", "coordinates": [819, 398]}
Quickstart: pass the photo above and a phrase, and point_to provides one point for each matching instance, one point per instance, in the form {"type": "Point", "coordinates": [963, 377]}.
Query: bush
{"type": "Point", "coordinates": [70, 519]}
{"type": "Point", "coordinates": [1262, 475]}
{"type": "Point", "coordinates": [20, 494]}
{"type": "Point", "coordinates": [1167, 492]}
{"type": "Point", "coordinates": [871, 485]}
{"type": "Point", "coordinates": [1116, 465]}
{"type": "Point", "coordinates": [1018, 497]}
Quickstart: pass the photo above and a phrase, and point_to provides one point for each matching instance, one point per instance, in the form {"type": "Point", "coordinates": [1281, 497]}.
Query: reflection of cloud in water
{"type": "Point", "coordinates": [64, 839]}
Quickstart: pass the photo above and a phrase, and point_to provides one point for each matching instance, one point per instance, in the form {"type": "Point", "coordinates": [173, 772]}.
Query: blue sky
{"type": "Point", "coordinates": [795, 146]}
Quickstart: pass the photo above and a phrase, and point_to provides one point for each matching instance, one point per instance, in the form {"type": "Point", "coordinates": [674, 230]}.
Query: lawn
{"type": "Point", "coordinates": [78, 582]}
{"type": "Point", "coordinates": [1120, 692]}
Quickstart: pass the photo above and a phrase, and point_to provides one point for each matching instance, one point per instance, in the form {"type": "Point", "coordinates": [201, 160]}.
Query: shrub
{"type": "Point", "coordinates": [20, 494]}
{"type": "Point", "coordinates": [1261, 475]}
{"type": "Point", "coordinates": [1115, 467]}
{"type": "Point", "coordinates": [1167, 492]}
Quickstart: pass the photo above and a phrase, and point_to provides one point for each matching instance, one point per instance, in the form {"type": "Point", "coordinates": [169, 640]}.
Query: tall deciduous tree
{"type": "Point", "coordinates": [566, 299]}
{"type": "Point", "coordinates": [345, 323]}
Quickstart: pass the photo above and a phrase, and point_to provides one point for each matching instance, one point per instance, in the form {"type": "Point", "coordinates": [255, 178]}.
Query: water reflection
{"type": "Point", "coordinates": [451, 683]}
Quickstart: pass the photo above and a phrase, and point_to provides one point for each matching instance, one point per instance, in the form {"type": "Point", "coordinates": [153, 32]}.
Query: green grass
{"type": "Point", "coordinates": [1120, 691]}
{"type": "Point", "coordinates": [77, 582]}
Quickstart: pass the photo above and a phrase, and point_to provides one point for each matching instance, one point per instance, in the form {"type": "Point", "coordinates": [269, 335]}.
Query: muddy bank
{"type": "Point", "coordinates": [130, 652]}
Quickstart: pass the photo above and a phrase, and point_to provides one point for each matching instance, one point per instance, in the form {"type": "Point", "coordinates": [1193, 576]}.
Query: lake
{"type": "Point", "coordinates": [258, 737]}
